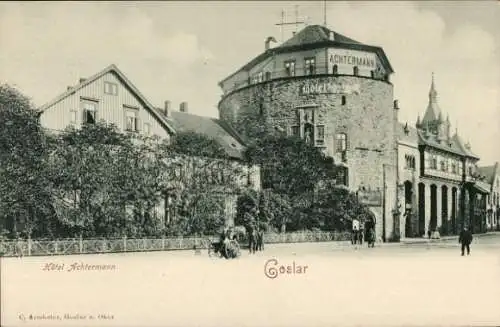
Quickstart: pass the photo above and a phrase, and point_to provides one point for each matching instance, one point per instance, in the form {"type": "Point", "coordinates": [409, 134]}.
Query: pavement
{"type": "Point", "coordinates": [394, 284]}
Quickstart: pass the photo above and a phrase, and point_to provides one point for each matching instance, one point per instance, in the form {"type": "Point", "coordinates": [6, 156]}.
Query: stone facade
{"type": "Point", "coordinates": [440, 189]}
{"type": "Point", "coordinates": [491, 175]}
{"type": "Point", "coordinates": [360, 108]}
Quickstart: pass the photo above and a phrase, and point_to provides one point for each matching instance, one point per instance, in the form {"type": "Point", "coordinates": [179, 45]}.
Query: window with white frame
{"type": "Point", "coordinates": [341, 142]}
{"type": "Point", "coordinates": [110, 88]}
{"type": "Point", "coordinates": [89, 112]}
{"type": "Point", "coordinates": [260, 77]}
{"type": "Point", "coordinates": [320, 135]}
{"type": "Point", "coordinates": [310, 66]}
{"type": "Point", "coordinates": [290, 67]}
{"type": "Point", "coordinates": [131, 120]}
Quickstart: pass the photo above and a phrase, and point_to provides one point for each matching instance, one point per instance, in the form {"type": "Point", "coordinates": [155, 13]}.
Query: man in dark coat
{"type": "Point", "coordinates": [465, 239]}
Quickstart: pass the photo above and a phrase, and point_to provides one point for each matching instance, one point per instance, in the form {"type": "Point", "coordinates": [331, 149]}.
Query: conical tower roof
{"type": "Point", "coordinates": [433, 111]}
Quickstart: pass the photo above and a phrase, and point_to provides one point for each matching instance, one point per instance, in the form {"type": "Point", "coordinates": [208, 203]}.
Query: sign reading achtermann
{"type": "Point", "coordinates": [352, 58]}
{"type": "Point", "coordinates": [327, 88]}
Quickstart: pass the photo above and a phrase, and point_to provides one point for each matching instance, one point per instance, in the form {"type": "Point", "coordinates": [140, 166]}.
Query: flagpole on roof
{"type": "Point", "coordinates": [324, 13]}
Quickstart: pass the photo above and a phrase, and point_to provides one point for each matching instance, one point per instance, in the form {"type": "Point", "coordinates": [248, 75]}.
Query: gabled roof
{"type": "Point", "coordinates": [458, 140]}
{"type": "Point", "coordinates": [489, 172]}
{"type": "Point", "coordinates": [210, 127]}
{"type": "Point", "coordinates": [417, 136]}
{"type": "Point", "coordinates": [312, 37]}
{"type": "Point", "coordinates": [125, 81]}
{"type": "Point", "coordinates": [454, 146]}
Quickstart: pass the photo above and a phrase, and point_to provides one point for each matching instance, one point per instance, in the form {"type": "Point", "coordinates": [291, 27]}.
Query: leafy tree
{"type": "Point", "coordinates": [289, 165]}
{"type": "Point", "coordinates": [246, 208]}
{"type": "Point", "coordinates": [336, 207]}
{"type": "Point", "coordinates": [98, 173]}
{"type": "Point", "coordinates": [195, 144]}
{"type": "Point", "coordinates": [24, 193]}
{"type": "Point", "coordinates": [274, 210]}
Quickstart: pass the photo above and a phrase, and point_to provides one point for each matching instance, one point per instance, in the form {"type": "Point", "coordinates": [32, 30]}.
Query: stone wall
{"type": "Point", "coordinates": [367, 117]}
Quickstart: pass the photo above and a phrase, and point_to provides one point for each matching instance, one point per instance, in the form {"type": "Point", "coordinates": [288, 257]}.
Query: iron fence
{"type": "Point", "coordinates": [35, 247]}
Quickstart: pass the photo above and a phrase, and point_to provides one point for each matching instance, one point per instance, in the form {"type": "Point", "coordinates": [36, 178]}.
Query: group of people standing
{"type": "Point", "coordinates": [228, 244]}
{"type": "Point", "coordinates": [359, 233]}
{"type": "Point", "coordinates": [255, 238]}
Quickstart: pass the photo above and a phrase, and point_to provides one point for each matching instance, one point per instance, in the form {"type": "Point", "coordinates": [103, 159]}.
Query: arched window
{"type": "Point", "coordinates": [355, 71]}
{"type": "Point", "coordinates": [335, 69]}
{"type": "Point", "coordinates": [344, 100]}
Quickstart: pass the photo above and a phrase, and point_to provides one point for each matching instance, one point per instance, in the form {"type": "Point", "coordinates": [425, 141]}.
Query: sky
{"type": "Point", "coordinates": [179, 51]}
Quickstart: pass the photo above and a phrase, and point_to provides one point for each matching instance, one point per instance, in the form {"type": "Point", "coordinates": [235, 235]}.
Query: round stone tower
{"type": "Point", "coordinates": [335, 93]}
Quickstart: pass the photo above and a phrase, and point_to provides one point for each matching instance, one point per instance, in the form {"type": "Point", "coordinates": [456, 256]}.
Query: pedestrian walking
{"type": "Point", "coordinates": [465, 239]}
{"type": "Point", "coordinates": [371, 237]}
{"type": "Point", "coordinates": [355, 231]}
{"type": "Point", "coordinates": [361, 234]}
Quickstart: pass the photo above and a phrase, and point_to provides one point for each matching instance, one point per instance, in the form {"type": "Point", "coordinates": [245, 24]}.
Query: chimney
{"type": "Point", "coordinates": [166, 108]}
{"type": "Point", "coordinates": [69, 88]}
{"type": "Point", "coordinates": [82, 80]}
{"type": "Point", "coordinates": [183, 107]}
{"type": "Point", "coordinates": [268, 42]}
